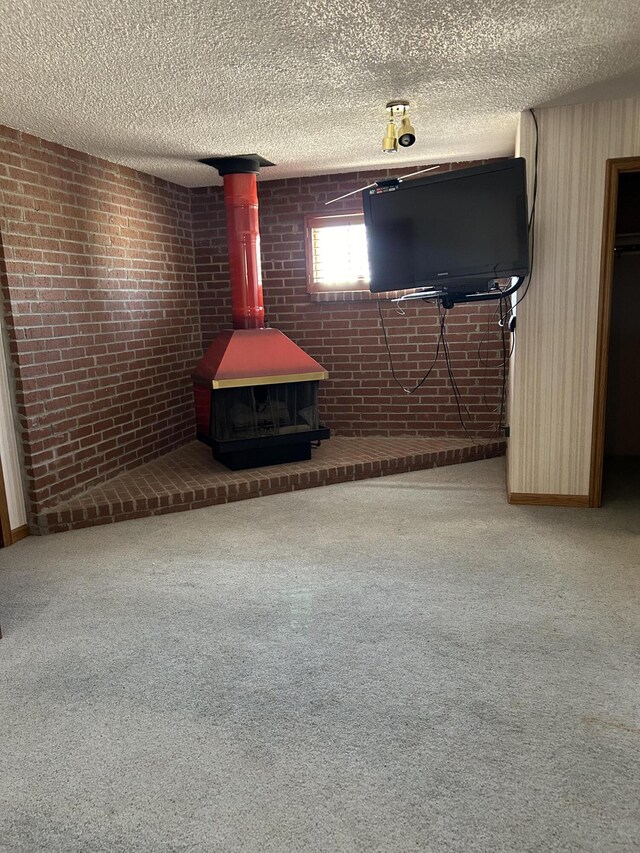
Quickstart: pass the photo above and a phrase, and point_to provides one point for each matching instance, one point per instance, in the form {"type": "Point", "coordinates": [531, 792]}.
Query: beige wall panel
{"type": "Point", "coordinates": [553, 369]}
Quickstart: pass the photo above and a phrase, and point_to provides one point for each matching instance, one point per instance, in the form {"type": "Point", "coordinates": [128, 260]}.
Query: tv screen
{"type": "Point", "coordinates": [453, 231]}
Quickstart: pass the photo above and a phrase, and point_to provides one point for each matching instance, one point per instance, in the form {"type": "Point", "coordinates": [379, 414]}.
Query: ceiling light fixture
{"type": "Point", "coordinates": [390, 141]}
{"type": "Point", "coordinates": [406, 134]}
{"type": "Point", "coordinates": [399, 128]}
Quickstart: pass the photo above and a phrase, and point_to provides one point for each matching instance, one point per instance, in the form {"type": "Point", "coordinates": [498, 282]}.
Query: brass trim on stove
{"type": "Point", "coordinates": [279, 379]}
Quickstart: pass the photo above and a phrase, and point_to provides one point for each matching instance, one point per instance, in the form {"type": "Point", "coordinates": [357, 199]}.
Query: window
{"type": "Point", "coordinates": [336, 253]}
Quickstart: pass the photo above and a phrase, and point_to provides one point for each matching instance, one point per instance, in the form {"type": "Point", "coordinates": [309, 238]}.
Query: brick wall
{"type": "Point", "coordinates": [361, 397]}
{"type": "Point", "coordinates": [102, 313]}
{"type": "Point", "coordinates": [107, 313]}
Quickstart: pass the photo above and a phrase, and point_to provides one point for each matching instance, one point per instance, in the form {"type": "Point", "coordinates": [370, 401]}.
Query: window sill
{"type": "Point", "coordinates": [352, 295]}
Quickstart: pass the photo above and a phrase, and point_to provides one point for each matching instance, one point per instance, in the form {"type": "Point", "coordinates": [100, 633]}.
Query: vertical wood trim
{"type": "Point", "coordinates": [5, 524]}
{"type": "Point", "coordinates": [19, 533]}
{"type": "Point", "coordinates": [604, 326]}
{"type": "Point", "coordinates": [614, 168]}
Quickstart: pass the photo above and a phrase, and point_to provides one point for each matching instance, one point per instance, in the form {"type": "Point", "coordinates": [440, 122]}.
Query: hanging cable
{"type": "Point", "coordinates": [531, 226]}
{"type": "Point", "coordinates": [391, 365]}
{"type": "Point", "coordinates": [504, 309]}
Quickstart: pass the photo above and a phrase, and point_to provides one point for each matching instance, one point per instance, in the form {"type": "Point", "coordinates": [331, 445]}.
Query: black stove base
{"type": "Point", "coordinates": [272, 450]}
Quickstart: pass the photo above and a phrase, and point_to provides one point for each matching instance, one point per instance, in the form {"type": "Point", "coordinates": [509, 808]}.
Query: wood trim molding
{"type": "Point", "coordinates": [532, 499]}
{"type": "Point", "coordinates": [613, 170]}
{"type": "Point", "coordinates": [19, 533]}
{"type": "Point", "coordinates": [9, 536]}
{"type": "Point", "coordinates": [5, 525]}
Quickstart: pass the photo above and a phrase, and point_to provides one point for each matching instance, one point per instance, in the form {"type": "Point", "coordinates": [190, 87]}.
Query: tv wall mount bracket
{"type": "Point", "coordinates": [449, 299]}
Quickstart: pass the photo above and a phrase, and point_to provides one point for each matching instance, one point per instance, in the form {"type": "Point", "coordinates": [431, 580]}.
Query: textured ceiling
{"type": "Point", "coordinates": [157, 84]}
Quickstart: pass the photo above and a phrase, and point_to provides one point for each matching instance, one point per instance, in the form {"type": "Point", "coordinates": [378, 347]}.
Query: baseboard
{"type": "Point", "coordinates": [533, 499]}
{"type": "Point", "coordinates": [19, 533]}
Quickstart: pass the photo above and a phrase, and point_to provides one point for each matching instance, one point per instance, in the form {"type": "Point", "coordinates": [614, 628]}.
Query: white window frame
{"type": "Point", "coordinates": [318, 221]}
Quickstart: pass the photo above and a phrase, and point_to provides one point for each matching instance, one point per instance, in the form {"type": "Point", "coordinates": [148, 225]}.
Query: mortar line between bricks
{"type": "Point", "coordinates": [188, 478]}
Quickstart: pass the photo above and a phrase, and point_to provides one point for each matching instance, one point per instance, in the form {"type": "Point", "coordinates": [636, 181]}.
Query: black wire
{"type": "Point", "coordinates": [486, 364]}
{"type": "Point", "coordinates": [452, 380]}
{"type": "Point", "coordinates": [458, 394]}
{"type": "Point", "coordinates": [532, 223]}
{"type": "Point", "coordinates": [510, 308]}
{"type": "Point", "coordinates": [535, 170]}
{"type": "Point", "coordinates": [506, 355]}
{"type": "Point", "coordinates": [393, 371]}
{"type": "Point", "coordinates": [505, 311]}
{"type": "Point", "coordinates": [490, 317]}
{"type": "Point", "coordinates": [443, 344]}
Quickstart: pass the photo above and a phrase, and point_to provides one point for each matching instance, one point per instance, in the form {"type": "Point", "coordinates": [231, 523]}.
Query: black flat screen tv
{"type": "Point", "coordinates": [450, 232]}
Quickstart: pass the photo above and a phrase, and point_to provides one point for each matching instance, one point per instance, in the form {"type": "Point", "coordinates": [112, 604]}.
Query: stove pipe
{"type": "Point", "coordinates": [255, 390]}
{"type": "Point", "coordinates": [239, 175]}
{"type": "Point", "coordinates": [243, 239]}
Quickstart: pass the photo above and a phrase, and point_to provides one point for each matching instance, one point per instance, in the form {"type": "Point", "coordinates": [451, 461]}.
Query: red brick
{"type": "Point", "coordinates": [107, 314]}
{"type": "Point", "coordinates": [66, 280]}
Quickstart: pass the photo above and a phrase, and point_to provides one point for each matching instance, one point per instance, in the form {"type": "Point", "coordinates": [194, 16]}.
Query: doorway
{"type": "Point", "coordinates": [615, 459]}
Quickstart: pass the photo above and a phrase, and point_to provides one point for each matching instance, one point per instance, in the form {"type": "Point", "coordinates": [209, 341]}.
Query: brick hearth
{"type": "Point", "coordinates": [188, 478]}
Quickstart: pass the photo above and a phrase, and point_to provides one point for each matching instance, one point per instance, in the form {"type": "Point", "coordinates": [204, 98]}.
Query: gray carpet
{"type": "Point", "coordinates": [401, 664]}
